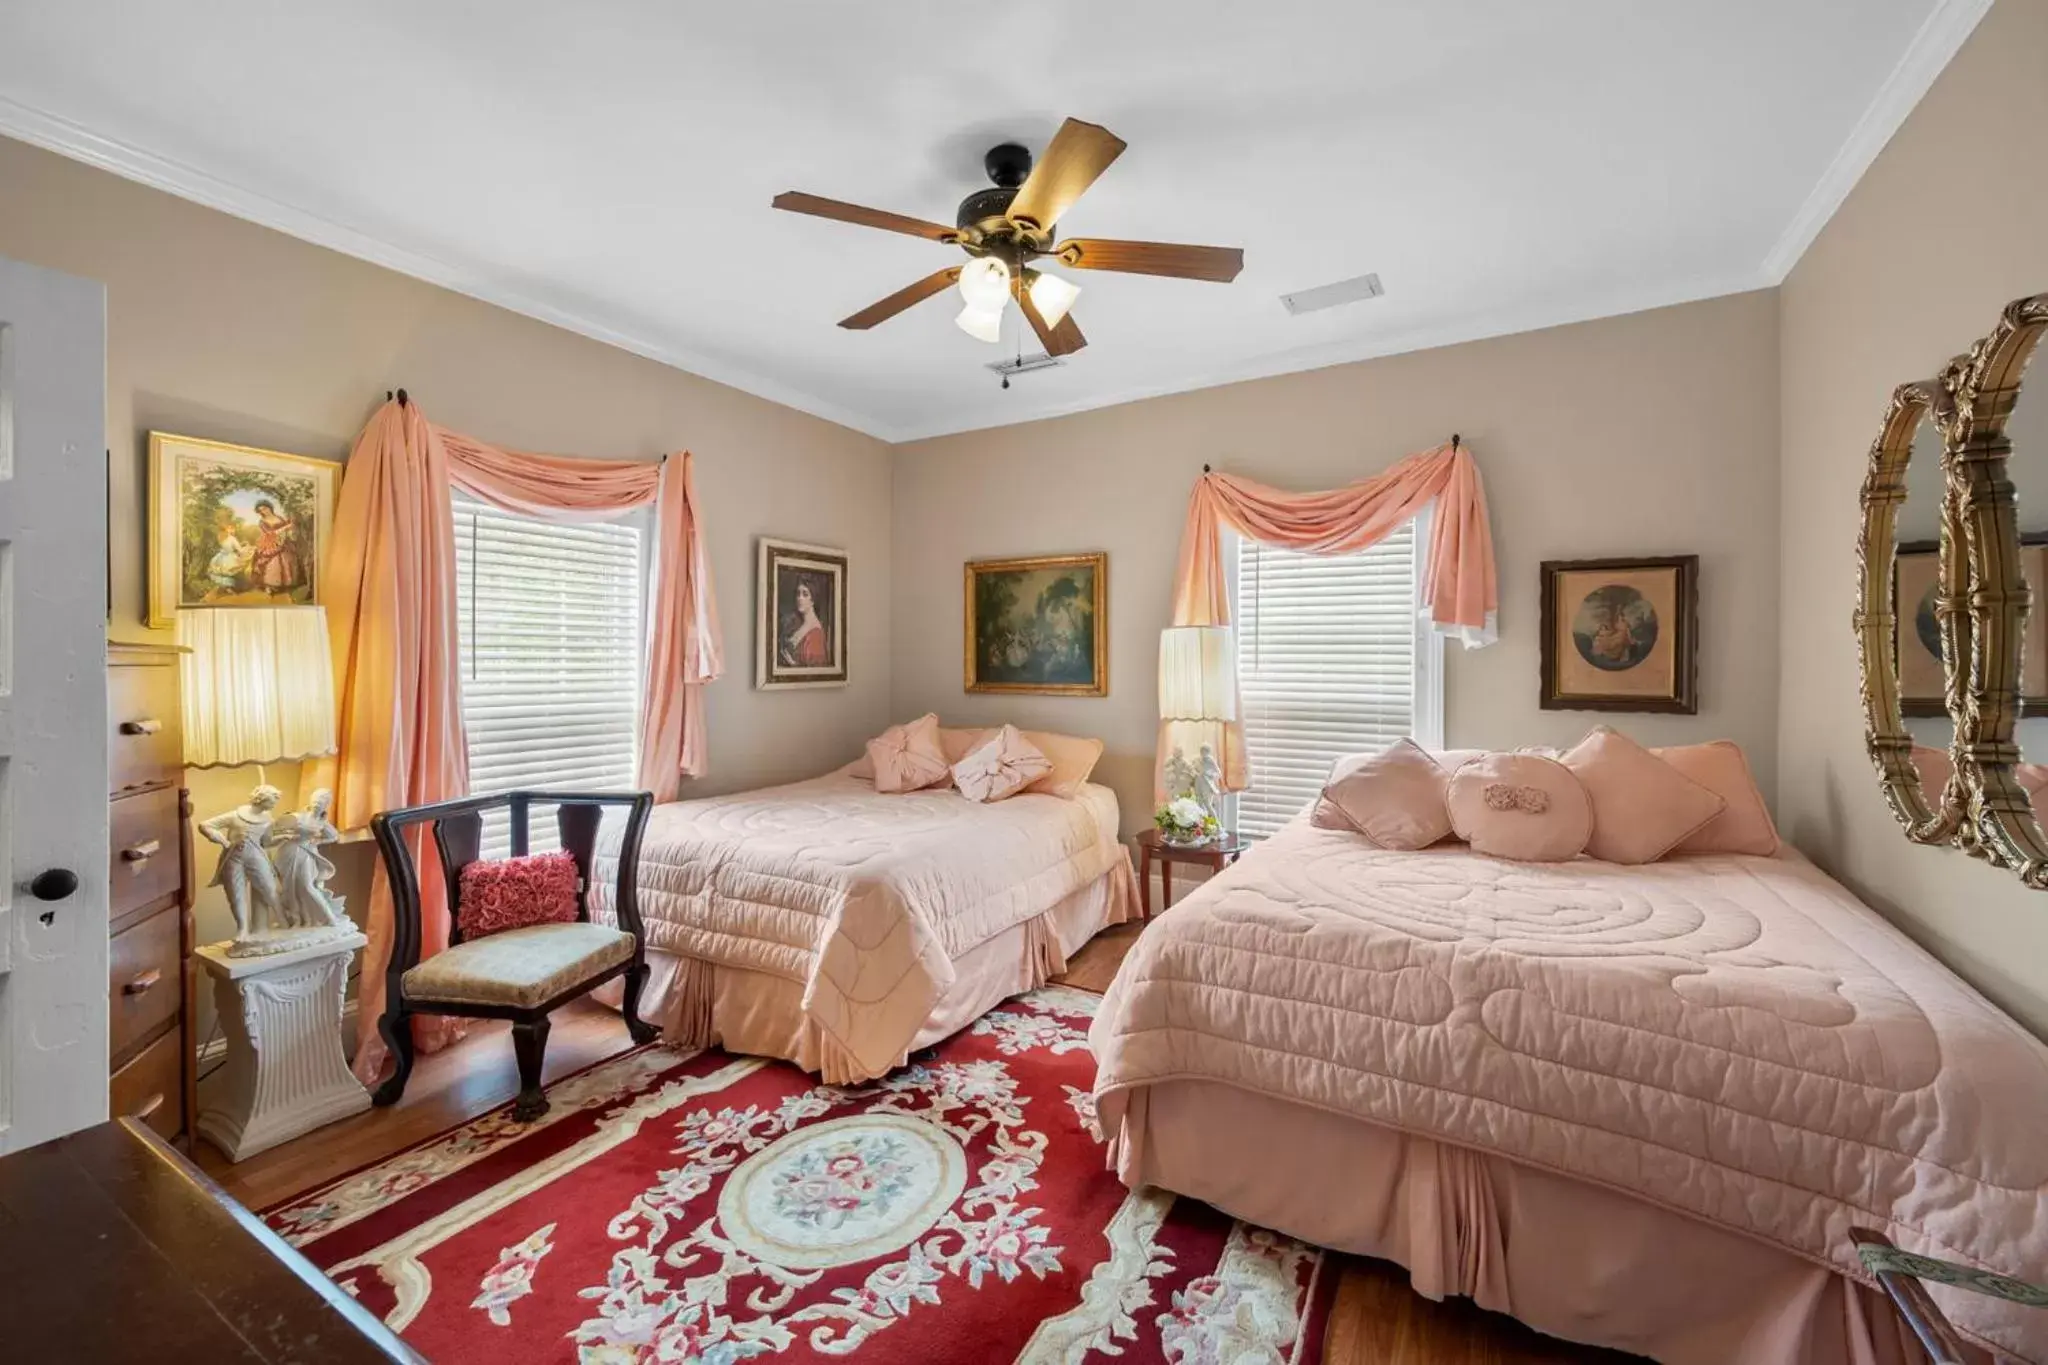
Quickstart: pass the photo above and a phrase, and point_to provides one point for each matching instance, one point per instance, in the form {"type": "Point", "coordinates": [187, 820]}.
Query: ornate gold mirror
{"type": "Point", "coordinates": [1998, 462]}
{"type": "Point", "coordinates": [1911, 616]}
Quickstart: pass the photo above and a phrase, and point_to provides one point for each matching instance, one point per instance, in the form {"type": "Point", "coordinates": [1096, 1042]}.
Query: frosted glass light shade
{"type": "Point", "coordinates": [1198, 673]}
{"type": "Point", "coordinates": [258, 684]}
{"type": "Point", "coordinates": [983, 324]}
{"type": "Point", "coordinates": [985, 284]}
{"type": "Point", "coordinates": [1052, 296]}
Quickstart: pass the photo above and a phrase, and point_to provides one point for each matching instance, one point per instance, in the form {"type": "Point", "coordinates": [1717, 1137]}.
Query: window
{"type": "Point", "coordinates": [551, 622]}
{"type": "Point", "coordinates": [1334, 657]}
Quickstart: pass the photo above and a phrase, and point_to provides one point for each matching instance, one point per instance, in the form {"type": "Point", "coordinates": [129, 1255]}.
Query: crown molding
{"type": "Point", "coordinates": [1931, 50]}
{"type": "Point", "coordinates": [1503, 322]}
{"type": "Point", "coordinates": [60, 135]}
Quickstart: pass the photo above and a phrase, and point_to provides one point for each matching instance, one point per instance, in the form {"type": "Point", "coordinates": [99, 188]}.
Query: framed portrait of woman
{"type": "Point", "coordinates": [233, 526]}
{"type": "Point", "coordinates": [800, 616]}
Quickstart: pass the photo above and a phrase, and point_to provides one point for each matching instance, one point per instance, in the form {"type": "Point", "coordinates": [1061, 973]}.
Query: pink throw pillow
{"type": "Point", "coordinates": [1520, 806]}
{"type": "Point", "coordinates": [1002, 767]}
{"type": "Point", "coordinates": [957, 744]}
{"type": "Point", "coordinates": [1642, 806]}
{"type": "Point", "coordinates": [511, 893]}
{"type": "Point", "coordinates": [1744, 824]}
{"type": "Point", "coordinates": [1325, 814]}
{"type": "Point", "coordinates": [1396, 798]}
{"type": "Point", "coordinates": [908, 758]}
{"type": "Point", "coordinates": [1072, 757]}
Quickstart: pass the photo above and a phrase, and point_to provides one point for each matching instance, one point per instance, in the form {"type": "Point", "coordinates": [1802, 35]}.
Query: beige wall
{"type": "Point", "coordinates": [1948, 225]}
{"type": "Point", "coordinates": [221, 329]}
{"type": "Point", "coordinates": [1655, 433]}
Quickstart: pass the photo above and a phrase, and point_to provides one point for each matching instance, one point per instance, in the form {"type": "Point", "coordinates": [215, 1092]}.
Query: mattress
{"type": "Point", "coordinates": [865, 901]}
{"type": "Point", "coordinates": [1735, 1039]}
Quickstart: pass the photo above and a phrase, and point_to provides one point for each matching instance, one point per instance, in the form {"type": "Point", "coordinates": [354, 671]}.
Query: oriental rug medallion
{"type": "Point", "coordinates": [706, 1207]}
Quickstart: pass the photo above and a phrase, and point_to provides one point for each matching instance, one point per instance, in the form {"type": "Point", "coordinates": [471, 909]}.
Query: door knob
{"type": "Point", "coordinates": [53, 885]}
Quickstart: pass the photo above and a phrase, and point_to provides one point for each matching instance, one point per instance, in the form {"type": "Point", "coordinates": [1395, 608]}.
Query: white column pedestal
{"type": "Point", "coordinates": [285, 1072]}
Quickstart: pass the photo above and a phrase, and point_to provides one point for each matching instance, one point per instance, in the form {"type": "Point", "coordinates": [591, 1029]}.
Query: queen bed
{"type": "Point", "coordinates": [843, 928]}
{"type": "Point", "coordinates": [1638, 1107]}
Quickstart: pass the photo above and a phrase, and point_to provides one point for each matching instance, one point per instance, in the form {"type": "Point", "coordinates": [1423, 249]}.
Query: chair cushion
{"type": "Point", "coordinates": [519, 967]}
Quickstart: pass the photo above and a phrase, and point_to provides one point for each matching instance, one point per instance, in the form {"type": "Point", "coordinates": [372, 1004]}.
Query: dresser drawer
{"type": "Point", "coordinates": [142, 860]}
{"type": "Point", "coordinates": [143, 747]}
{"type": "Point", "coordinates": [150, 1088]}
{"type": "Point", "coordinates": [143, 985]}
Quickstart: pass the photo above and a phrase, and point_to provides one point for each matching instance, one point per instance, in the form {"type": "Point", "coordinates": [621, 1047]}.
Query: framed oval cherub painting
{"type": "Point", "coordinates": [233, 526]}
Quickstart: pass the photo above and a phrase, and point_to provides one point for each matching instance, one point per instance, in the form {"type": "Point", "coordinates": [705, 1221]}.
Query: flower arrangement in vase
{"type": "Point", "coordinates": [1185, 821]}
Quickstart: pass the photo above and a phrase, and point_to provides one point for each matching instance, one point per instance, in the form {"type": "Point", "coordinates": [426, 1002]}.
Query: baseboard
{"type": "Point", "coordinates": [215, 1050]}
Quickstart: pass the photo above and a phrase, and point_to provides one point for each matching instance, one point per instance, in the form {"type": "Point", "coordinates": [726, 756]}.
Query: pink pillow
{"type": "Point", "coordinates": [1072, 757]}
{"type": "Point", "coordinates": [1744, 824]}
{"type": "Point", "coordinates": [1642, 806]}
{"type": "Point", "coordinates": [907, 758]}
{"type": "Point", "coordinates": [1520, 806]}
{"type": "Point", "coordinates": [511, 893]}
{"type": "Point", "coordinates": [1002, 767]}
{"type": "Point", "coordinates": [1326, 814]}
{"type": "Point", "coordinates": [957, 744]}
{"type": "Point", "coordinates": [1396, 798]}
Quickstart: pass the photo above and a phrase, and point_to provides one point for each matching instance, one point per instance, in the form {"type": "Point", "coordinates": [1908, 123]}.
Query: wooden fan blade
{"type": "Point", "coordinates": [796, 202]}
{"type": "Point", "coordinates": [1064, 339]}
{"type": "Point", "coordinates": [885, 309]}
{"type": "Point", "coordinates": [1216, 263]}
{"type": "Point", "coordinates": [1077, 154]}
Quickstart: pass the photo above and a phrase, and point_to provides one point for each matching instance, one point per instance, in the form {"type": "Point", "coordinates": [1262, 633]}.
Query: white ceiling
{"type": "Point", "coordinates": [1502, 164]}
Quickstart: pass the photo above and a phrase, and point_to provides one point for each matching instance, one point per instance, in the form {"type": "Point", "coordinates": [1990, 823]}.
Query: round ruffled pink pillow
{"type": "Point", "coordinates": [1521, 807]}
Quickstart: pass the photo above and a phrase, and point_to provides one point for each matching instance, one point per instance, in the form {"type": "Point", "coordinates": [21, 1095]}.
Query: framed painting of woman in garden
{"type": "Point", "coordinates": [232, 526]}
{"type": "Point", "coordinates": [1038, 625]}
{"type": "Point", "coordinates": [800, 594]}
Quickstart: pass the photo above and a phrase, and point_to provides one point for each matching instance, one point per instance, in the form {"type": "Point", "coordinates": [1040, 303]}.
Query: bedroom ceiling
{"type": "Point", "coordinates": [1500, 164]}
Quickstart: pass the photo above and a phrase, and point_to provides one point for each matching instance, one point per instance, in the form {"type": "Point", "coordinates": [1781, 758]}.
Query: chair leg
{"type": "Point", "coordinates": [637, 1028]}
{"type": "Point", "coordinates": [530, 1045]}
{"type": "Point", "coordinates": [396, 1029]}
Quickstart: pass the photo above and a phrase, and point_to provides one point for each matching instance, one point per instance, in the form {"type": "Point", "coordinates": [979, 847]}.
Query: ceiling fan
{"type": "Point", "coordinates": [1007, 228]}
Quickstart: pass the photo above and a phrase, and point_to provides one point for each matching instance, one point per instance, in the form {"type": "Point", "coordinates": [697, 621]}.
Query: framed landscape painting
{"type": "Point", "coordinates": [800, 611]}
{"type": "Point", "coordinates": [232, 526]}
{"type": "Point", "coordinates": [1621, 635]}
{"type": "Point", "coordinates": [1038, 625]}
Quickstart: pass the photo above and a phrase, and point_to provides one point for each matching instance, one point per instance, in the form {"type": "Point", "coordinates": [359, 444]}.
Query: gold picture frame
{"type": "Point", "coordinates": [235, 526]}
{"type": "Point", "coordinates": [1038, 626]}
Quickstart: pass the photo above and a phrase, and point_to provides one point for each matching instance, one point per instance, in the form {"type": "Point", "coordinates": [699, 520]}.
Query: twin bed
{"type": "Point", "coordinates": [1635, 1106]}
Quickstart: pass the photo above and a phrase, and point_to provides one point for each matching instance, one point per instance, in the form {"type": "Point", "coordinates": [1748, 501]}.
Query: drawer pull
{"type": "Point", "coordinates": [148, 1106]}
{"type": "Point", "coordinates": [142, 852]}
{"type": "Point", "coordinates": [143, 982]}
{"type": "Point", "coordinates": [148, 725]}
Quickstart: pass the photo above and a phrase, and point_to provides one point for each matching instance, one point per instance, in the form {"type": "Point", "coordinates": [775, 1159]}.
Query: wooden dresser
{"type": "Point", "coordinates": [149, 997]}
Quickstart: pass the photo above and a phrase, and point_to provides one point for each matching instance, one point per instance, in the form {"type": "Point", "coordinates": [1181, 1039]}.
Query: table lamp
{"type": "Point", "coordinates": [1197, 694]}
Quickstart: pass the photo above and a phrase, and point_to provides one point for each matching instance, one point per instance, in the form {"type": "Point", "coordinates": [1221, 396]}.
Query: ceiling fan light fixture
{"type": "Point", "coordinates": [1052, 296]}
{"type": "Point", "coordinates": [983, 324]}
{"type": "Point", "coordinates": [985, 284]}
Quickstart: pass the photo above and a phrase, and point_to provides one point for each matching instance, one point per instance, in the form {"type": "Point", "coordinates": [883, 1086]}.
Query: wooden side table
{"type": "Point", "coordinates": [1215, 855]}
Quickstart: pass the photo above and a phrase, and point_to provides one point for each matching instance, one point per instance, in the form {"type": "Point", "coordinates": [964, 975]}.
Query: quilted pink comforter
{"type": "Point", "coordinates": [1736, 1038]}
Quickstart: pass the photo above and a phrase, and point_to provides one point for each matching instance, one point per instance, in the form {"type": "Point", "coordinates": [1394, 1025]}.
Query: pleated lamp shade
{"type": "Point", "coordinates": [258, 684]}
{"type": "Point", "coordinates": [1197, 673]}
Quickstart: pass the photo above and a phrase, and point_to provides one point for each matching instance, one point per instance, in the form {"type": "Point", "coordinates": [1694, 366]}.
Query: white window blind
{"type": "Point", "coordinates": [551, 624]}
{"type": "Point", "coordinates": [1332, 659]}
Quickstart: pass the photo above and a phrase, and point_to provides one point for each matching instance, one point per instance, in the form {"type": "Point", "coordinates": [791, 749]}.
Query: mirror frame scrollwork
{"type": "Point", "coordinates": [1942, 820]}
{"type": "Point", "coordinates": [1985, 387]}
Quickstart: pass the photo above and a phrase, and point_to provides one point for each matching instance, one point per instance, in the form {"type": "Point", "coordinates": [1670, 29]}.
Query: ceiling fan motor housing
{"type": "Point", "coordinates": [1009, 165]}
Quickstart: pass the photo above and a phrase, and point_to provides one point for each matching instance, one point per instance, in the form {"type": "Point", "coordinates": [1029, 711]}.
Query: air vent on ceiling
{"type": "Point", "coordinates": [1330, 295]}
{"type": "Point", "coordinates": [1025, 364]}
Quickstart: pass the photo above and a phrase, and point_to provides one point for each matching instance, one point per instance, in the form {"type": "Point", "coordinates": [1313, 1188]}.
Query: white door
{"type": "Point", "coordinates": [53, 705]}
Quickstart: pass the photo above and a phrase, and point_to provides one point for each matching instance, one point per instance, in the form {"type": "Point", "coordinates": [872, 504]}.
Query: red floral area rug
{"type": "Point", "coordinates": [715, 1208]}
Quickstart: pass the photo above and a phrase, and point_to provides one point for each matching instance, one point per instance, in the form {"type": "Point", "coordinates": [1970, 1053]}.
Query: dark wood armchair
{"type": "Point", "coordinates": [520, 974]}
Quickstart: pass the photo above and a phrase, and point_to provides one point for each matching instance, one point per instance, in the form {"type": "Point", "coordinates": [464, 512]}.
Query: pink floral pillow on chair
{"type": "Point", "coordinates": [512, 893]}
{"type": "Point", "coordinates": [1002, 767]}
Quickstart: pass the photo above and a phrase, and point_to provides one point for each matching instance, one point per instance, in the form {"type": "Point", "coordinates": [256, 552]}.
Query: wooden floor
{"type": "Point", "coordinates": [1377, 1319]}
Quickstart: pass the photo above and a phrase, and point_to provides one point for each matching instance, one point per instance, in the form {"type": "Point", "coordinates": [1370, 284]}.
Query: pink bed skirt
{"type": "Point", "coordinates": [1570, 1259]}
{"type": "Point", "coordinates": [699, 1003]}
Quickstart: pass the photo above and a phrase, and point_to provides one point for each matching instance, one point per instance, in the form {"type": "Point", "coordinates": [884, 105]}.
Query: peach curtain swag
{"type": "Point", "coordinates": [1458, 582]}
{"type": "Point", "coordinates": [389, 586]}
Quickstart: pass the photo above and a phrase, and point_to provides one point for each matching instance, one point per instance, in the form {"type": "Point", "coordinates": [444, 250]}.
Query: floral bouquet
{"type": "Point", "coordinates": [1184, 820]}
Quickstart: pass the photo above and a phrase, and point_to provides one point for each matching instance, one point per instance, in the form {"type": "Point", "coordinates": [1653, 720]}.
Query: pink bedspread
{"type": "Point", "coordinates": [864, 898]}
{"type": "Point", "coordinates": [1735, 1038]}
